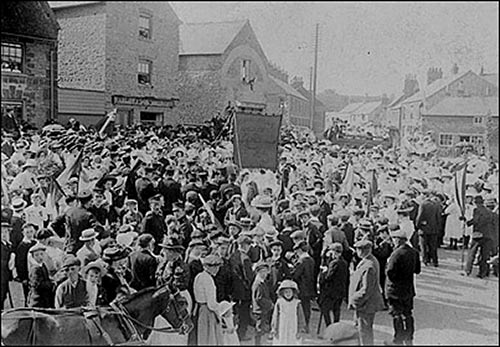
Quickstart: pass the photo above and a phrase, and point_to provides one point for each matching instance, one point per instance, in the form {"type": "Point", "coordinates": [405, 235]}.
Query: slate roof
{"type": "Point", "coordinates": [435, 87]}
{"type": "Point", "coordinates": [368, 107]}
{"type": "Point", "coordinates": [492, 78]}
{"type": "Point", "coordinates": [287, 89]}
{"type": "Point", "coordinates": [465, 106]}
{"type": "Point", "coordinates": [30, 18]}
{"type": "Point", "coordinates": [350, 108]}
{"type": "Point", "coordinates": [207, 38]}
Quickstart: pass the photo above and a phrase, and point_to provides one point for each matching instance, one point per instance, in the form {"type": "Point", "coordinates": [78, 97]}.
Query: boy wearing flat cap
{"type": "Point", "coordinates": [41, 293]}
{"type": "Point", "coordinates": [73, 291]}
{"type": "Point", "coordinates": [262, 305]}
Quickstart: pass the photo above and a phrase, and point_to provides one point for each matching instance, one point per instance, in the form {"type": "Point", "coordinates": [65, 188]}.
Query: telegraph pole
{"type": "Point", "coordinates": [314, 78]}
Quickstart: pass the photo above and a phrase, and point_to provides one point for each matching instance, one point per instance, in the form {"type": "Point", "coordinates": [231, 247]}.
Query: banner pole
{"type": "Point", "coordinates": [463, 246]}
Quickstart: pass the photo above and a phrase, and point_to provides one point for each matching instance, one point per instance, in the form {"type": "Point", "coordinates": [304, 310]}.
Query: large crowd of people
{"type": "Point", "coordinates": [88, 219]}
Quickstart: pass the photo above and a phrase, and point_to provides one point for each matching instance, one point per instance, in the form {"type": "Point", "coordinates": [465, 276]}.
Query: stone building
{"type": "Point", "coordinates": [29, 61]}
{"type": "Point", "coordinates": [121, 55]}
{"type": "Point", "coordinates": [222, 64]}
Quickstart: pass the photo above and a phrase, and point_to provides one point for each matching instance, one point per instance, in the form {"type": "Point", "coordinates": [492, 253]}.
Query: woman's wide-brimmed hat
{"type": "Point", "coordinates": [288, 284]}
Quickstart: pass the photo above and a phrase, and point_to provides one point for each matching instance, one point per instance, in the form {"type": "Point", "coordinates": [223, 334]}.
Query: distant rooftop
{"type": "Point", "coordinates": [351, 107]}
{"type": "Point", "coordinates": [368, 107]}
{"type": "Point", "coordinates": [435, 87]}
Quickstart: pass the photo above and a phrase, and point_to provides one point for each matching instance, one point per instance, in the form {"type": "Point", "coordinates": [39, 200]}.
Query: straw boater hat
{"type": "Point", "coordinates": [96, 264]}
{"type": "Point", "coordinates": [88, 234]}
{"type": "Point", "coordinates": [115, 253]}
{"type": "Point", "coordinates": [262, 201]}
{"type": "Point", "coordinates": [19, 204]}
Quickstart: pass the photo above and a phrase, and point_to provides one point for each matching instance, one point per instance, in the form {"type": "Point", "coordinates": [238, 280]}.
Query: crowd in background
{"type": "Point", "coordinates": [88, 219]}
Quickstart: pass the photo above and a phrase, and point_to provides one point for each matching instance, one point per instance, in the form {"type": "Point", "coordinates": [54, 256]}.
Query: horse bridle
{"type": "Point", "coordinates": [122, 310]}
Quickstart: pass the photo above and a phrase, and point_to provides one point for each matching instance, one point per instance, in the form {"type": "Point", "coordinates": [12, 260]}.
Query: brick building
{"type": "Point", "coordinates": [29, 60]}
{"type": "Point", "coordinates": [222, 63]}
{"type": "Point", "coordinates": [463, 120]}
{"type": "Point", "coordinates": [120, 55]}
{"type": "Point", "coordinates": [464, 84]}
{"type": "Point", "coordinates": [319, 111]}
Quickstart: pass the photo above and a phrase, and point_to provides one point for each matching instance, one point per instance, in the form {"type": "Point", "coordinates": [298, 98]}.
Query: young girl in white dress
{"type": "Point", "coordinates": [288, 323]}
{"type": "Point", "coordinates": [229, 335]}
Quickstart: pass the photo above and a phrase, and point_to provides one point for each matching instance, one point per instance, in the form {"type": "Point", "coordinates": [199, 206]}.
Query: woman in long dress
{"type": "Point", "coordinates": [209, 330]}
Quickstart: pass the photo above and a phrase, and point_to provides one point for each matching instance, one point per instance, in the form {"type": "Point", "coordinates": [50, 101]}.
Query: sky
{"type": "Point", "coordinates": [364, 47]}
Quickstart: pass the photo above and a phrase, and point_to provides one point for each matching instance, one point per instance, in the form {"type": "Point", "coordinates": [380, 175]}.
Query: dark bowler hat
{"type": "Point", "coordinates": [173, 244]}
{"type": "Point", "coordinates": [84, 194]}
{"type": "Point", "coordinates": [71, 260]}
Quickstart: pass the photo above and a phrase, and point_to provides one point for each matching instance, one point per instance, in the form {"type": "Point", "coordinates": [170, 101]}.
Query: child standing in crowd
{"type": "Point", "coordinates": [229, 335]}
{"type": "Point", "coordinates": [288, 322]}
{"type": "Point", "coordinates": [22, 250]}
{"type": "Point", "coordinates": [92, 274]}
{"type": "Point", "coordinates": [262, 305]}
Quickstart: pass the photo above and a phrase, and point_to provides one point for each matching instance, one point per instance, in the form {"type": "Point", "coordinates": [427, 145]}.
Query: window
{"type": "Point", "coordinates": [12, 57]}
{"type": "Point", "coordinates": [464, 138]}
{"type": "Point", "coordinates": [145, 26]}
{"type": "Point", "coordinates": [445, 139]}
{"type": "Point", "coordinates": [149, 117]}
{"type": "Point", "coordinates": [144, 73]}
{"type": "Point", "coordinates": [245, 70]}
{"type": "Point", "coordinates": [477, 140]}
{"type": "Point", "coordinates": [478, 120]}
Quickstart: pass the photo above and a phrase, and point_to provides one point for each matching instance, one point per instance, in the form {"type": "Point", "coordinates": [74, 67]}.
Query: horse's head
{"type": "Point", "coordinates": [174, 308]}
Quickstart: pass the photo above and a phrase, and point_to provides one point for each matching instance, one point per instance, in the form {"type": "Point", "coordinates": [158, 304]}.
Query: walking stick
{"type": "Point", "coordinates": [10, 296]}
{"type": "Point", "coordinates": [319, 323]}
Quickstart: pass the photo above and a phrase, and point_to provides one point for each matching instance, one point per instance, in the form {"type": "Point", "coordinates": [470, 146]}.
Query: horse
{"type": "Point", "coordinates": [128, 321]}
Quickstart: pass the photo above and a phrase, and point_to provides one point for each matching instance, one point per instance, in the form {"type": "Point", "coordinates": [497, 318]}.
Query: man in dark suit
{"type": "Point", "coordinates": [303, 275]}
{"type": "Point", "coordinates": [483, 227]}
{"type": "Point", "coordinates": [365, 294]}
{"type": "Point", "coordinates": [145, 189]}
{"type": "Point", "coordinates": [41, 292]}
{"type": "Point", "coordinates": [333, 284]}
{"type": "Point", "coordinates": [241, 266]}
{"type": "Point", "coordinates": [79, 218]}
{"type": "Point", "coordinates": [154, 224]}
{"type": "Point", "coordinates": [427, 223]}
{"type": "Point", "coordinates": [5, 269]}
{"type": "Point", "coordinates": [170, 189]}
{"type": "Point", "coordinates": [325, 209]}
{"type": "Point", "coordinates": [400, 289]}
{"type": "Point", "coordinates": [143, 264]}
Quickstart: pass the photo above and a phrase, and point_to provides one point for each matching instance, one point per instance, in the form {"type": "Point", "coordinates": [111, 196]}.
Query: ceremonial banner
{"type": "Point", "coordinates": [256, 140]}
{"type": "Point", "coordinates": [460, 187]}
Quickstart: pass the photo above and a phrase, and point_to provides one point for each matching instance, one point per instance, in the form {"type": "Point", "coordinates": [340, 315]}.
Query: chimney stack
{"type": "Point", "coordinates": [434, 74]}
{"type": "Point", "coordinates": [410, 85]}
